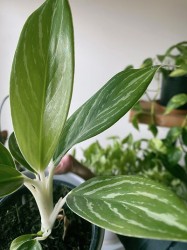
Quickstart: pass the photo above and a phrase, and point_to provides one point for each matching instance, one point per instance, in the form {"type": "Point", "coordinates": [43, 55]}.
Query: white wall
{"type": "Point", "coordinates": [109, 34]}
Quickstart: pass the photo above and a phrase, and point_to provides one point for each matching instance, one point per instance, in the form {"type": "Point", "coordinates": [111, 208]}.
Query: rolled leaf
{"type": "Point", "coordinates": [41, 81]}
{"type": "Point", "coordinates": [25, 242]}
{"type": "Point", "coordinates": [16, 153]}
{"type": "Point", "coordinates": [105, 108]}
{"type": "Point", "coordinates": [132, 206]}
{"type": "Point", "coordinates": [10, 180]}
{"type": "Point", "coordinates": [5, 157]}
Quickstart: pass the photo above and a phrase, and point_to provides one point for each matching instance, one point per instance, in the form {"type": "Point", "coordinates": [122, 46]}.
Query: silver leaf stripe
{"type": "Point", "coordinates": [133, 206]}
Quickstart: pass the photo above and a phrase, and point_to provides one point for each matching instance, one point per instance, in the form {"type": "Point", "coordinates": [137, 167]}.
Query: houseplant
{"type": "Point", "coordinates": [174, 77]}
{"type": "Point", "coordinates": [40, 94]}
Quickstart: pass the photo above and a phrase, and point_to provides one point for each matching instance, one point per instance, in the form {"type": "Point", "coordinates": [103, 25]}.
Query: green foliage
{"type": "Point", "coordinates": [176, 56]}
{"type": "Point", "coordinates": [131, 205]}
{"type": "Point", "coordinates": [41, 81]}
{"type": "Point", "coordinates": [25, 242]}
{"type": "Point", "coordinates": [162, 160]}
{"type": "Point", "coordinates": [175, 102]}
{"type": "Point", "coordinates": [111, 100]}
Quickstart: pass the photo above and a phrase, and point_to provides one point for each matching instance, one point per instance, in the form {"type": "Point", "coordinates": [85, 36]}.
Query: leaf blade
{"type": "Point", "coordinates": [103, 109]}
{"type": "Point", "coordinates": [5, 157]}
{"type": "Point", "coordinates": [10, 180]}
{"type": "Point", "coordinates": [132, 206]}
{"type": "Point", "coordinates": [25, 242]}
{"type": "Point", "coordinates": [41, 81]}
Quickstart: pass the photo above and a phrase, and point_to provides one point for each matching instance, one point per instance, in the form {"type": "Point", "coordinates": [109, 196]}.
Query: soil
{"type": "Point", "coordinates": [20, 216]}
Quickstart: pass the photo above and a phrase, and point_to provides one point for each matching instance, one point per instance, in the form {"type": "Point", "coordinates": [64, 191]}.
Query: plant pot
{"type": "Point", "coordinates": [172, 86]}
{"type": "Point", "coordinates": [20, 210]}
{"type": "Point", "coordinates": [132, 243]}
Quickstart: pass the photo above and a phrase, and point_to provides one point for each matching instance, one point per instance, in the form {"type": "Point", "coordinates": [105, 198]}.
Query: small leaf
{"type": "Point", "coordinates": [16, 153]}
{"type": "Point", "coordinates": [184, 135]}
{"type": "Point", "coordinates": [5, 157]}
{"type": "Point", "coordinates": [25, 242]}
{"type": "Point", "coordinates": [10, 180]}
{"type": "Point", "coordinates": [153, 129]}
{"type": "Point", "coordinates": [135, 122]}
{"type": "Point", "coordinates": [132, 206]}
{"type": "Point", "coordinates": [175, 102]}
{"type": "Point", "coordinates": [157, 145]}
{"type": "Point", "coordinates": [105, 108]}
{"type": "Point", "coordinates": [178, 72]}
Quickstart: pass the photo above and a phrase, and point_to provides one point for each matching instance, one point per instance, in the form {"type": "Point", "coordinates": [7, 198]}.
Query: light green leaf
{"type": "Point", "coordinates": [10, 180]}
{"type": "Point", "coordinates": [16, 153]}
{"type": "Point", "coordinates": [25, 242]}
{"type": "Point", "coordinates": [131, 205]}
{"type": "Point", "coordinates": [178, 72]}
{"type": "Point", "coordinates": [41, 81]}
{"type": "Point", "coordinates": [5, 157]}
{"type": "Point", "coordinates": [175, 102]}
{"type": "Point", "coordinates": [105, 108]}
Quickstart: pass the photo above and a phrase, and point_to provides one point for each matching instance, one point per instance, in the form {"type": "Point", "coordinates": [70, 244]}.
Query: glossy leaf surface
{"type": "Point", "coordinates": [105, 108]}
{"type": "Point", "coordinates": [132, 206]}
{"type": "Point", "coordinates": [41, 81]}
{"type": "Point", "coordinates": [16, 153]}
{"type": "Point", "coordinates": [25, 242]}
{"type": "Point", "coordinates": [10, 180]}
{"type": "Point", "coordinates": [5, 157]}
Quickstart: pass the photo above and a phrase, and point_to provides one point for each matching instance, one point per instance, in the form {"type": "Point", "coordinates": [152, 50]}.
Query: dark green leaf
{"type": "Point", "coordinates": [16, 153]}
{"type": "Point", "coordinates": [174, 155]}
{"type": "Point", "coordinates": [10, 180]}
{"type": "Point", "coordinates": [184, 135]}
{"type": "Point", "coordinates": [105, 108]}
{"type": "Point", "coordinates": [153, 129]}
{"type": "Point", "coordinates": [41, 81]}
{"type": "Point", "coordinates": [5, 157]}
{"type": "Point", "coordinates": [132, 206]}
{"type": "Point", "coordinates": [25, 242]}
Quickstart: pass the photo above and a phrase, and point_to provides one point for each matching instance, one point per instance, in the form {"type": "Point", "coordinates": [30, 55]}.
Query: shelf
{"type": "Point", "coordinates": [175, 118]}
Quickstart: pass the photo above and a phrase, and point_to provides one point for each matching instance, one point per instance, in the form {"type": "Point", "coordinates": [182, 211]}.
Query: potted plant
{"type": "Point", "coordinates": [40, 95]}
{"type": "Point", "coordinates": [174, 78]}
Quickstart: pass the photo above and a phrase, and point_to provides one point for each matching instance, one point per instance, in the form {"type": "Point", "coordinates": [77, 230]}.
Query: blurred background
{"type": "Point", "coordinates": [109, 35]}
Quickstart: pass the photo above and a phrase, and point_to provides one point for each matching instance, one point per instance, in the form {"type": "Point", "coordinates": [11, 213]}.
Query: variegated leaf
{"type": "Point", "coordinates": [41, 81]}
{"type": "Point", "coordinates": [131, 205]}
{"type": "Point", "coordinates": [105, 108]}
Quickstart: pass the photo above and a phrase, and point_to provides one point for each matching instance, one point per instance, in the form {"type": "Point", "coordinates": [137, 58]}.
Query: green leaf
{"type": "Point", "coordinates": [10, 180]}
{"type": "Point", "coordinates": [5, 157]}
{"type": "Point", "coordinates": [24, 242]}
{"type": "Point", "coordinates": [105, 108]}
{"type": "Point", "coordinates": [184, 135]}
{"type": "Point", "coordinates": [153, 129]}
{"type": "Point", "coordinates": [178, 72]}
{"type": "Point", "coordinates": [175, 102]}
{"type": "Point", "coordinates": [131, 205]}
{"type": "Point", "coordinates": [41, 81]}
{"type": "Point", "coordinates": [16, 153]}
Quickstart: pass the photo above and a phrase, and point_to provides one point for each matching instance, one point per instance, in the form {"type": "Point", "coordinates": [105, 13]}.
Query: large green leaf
{"type": "Point", "coordinates": [5, 157]}
{"type": "Point", "coordinates": [16, 153]}
{"type": "Point", "coordinates": [41, 81]}
{"type": "Point", "coordinates": [25, 242]}
{"type": "Point", "coordinates": [106, 107]}
{"type": "Point", "coordinates": [131, 205]}
{"type": "Point", "coordinates": [10, 180]}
